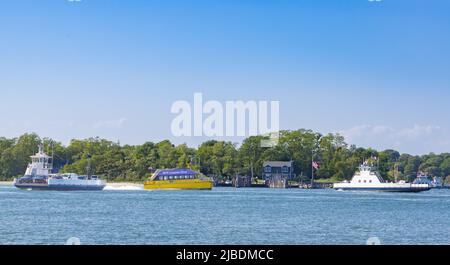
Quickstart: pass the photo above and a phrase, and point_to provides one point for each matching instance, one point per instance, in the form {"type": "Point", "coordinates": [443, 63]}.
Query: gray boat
{"type": "Point", "coordinates": [38, 177]}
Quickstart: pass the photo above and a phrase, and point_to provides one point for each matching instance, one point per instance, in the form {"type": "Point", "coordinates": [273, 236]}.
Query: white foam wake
{"type": "Point", "coordinates": [123, 187]}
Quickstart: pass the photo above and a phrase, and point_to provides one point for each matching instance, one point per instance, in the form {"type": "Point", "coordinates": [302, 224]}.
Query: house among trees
{"type": "Point", "coordinates": [278, 173]}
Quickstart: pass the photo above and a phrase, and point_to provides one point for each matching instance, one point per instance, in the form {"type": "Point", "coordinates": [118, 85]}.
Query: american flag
{"type": "Point", "coordinates": [315, 165]}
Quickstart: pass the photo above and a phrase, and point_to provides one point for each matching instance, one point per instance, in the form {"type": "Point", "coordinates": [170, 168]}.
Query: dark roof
{"type": "Point", "coordinates": [176, 172]}
{"type": "Point", "coordinates": [277, 163]}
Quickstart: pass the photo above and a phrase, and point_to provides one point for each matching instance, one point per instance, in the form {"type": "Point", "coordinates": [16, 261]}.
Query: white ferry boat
{"type": "Point", "coordinates": [369, 179]}
{"type": "Point", "coordinates": [38, 177]}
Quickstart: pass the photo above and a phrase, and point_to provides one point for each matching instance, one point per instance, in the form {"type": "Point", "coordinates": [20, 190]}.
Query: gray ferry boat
{"type": "Point", "coordinates": [38, 177]}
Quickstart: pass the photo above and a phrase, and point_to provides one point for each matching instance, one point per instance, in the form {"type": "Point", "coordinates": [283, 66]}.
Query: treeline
{"type": "Point", "coordinates": [220, 159]}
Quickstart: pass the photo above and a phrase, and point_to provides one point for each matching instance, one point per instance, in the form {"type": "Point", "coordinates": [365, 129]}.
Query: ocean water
{"type": "Point", "coordinates": [223, 216]}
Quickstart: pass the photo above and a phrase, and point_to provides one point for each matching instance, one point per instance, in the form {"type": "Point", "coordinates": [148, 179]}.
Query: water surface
{"type": "Point", "coordinates": [223, 216]}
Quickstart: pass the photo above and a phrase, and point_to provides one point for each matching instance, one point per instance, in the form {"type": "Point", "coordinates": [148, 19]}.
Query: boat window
{"type": "Point", "coordinates": [370, 181]}
{"type": "Point", "coordinates": [364, 181]}
{"type": "Point", "coordinates": [359, 181]}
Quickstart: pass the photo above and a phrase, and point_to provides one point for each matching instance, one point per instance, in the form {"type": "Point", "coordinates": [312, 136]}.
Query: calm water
{"type": "Point", "coordinates": [223, 216]}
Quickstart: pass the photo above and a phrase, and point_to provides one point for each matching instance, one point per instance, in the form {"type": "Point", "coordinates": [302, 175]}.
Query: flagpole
{"type": "Point", "coordinates": [312, 170]}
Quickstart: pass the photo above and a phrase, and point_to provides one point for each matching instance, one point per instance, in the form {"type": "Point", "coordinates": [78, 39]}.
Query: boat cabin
{"type": "Point", "coordinates": [367, 174]}
{"type": "Point", "coordinates": [40, 166]}
{"type": "Point", "coordinates": [174, 174]}
{"type": "Point", "coordinates": [423, 179]}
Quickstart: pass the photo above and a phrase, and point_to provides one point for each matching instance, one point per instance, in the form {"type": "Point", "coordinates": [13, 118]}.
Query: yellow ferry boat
{"type": "Point", "coordinates": [178, 179]}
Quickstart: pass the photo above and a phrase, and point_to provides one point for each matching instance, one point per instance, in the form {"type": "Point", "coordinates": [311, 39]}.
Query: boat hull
{"type": "Point", "coordinates": [60, 187]}
{"type": "Point", "coordinates": [382, 189]}
{"type": "Point", "coordinates": [182, 184]}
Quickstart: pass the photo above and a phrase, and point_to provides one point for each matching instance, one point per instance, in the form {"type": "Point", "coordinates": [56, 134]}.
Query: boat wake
{"type": "Point", "coordinates": [124, 187]}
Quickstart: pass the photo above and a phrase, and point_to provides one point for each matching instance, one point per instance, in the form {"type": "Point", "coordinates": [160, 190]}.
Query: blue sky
{"type": "Point", "coordinates": [376, 72]}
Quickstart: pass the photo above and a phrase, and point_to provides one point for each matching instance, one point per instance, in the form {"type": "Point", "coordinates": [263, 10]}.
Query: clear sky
{"type": "Point", "coordinates": [377, 72]}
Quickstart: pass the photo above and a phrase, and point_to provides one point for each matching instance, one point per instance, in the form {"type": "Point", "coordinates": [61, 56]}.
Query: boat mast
{"type": "Point", "coordinates": [88, 167]}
